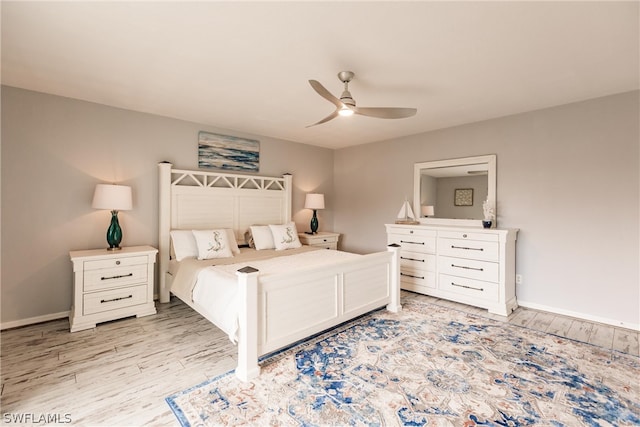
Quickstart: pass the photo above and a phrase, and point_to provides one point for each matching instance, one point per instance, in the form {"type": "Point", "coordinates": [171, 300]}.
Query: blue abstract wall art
{"type": "Point", "coordinates": [228, 152]}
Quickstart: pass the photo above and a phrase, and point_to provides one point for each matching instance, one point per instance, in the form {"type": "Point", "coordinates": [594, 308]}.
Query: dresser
{"type": "Point", "coordinates": [109, 285]}
{"type": "Point", "coordinates": [473, 266]}
{"type": "Point", "coordinates": [322, 239]}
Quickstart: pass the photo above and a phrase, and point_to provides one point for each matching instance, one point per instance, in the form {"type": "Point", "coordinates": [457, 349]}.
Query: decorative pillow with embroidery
{"type": "Point", "coordinates": [262, 237]}
{"type": "Point", "coordinates": [212, 244]}
{"type": "Point", "coordinates": [285, 236]}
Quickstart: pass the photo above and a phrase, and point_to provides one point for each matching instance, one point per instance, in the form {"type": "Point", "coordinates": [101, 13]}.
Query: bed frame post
{"type": "Point", "coordinates": [395, 306]}
{"type": "Point", "coordinates": [247, 324]}
{"type": "Point", "coordinates": [288, 187]}
{"type": "Point", "coordinates": [164, 224]}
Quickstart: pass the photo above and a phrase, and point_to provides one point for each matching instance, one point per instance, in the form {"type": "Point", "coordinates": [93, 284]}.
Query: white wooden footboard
{"type": "Point", "coordinates": [279, 310]}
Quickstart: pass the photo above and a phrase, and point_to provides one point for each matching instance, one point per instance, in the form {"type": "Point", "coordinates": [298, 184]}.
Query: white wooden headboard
{"type": "Point", "coordinates": [194, 199]}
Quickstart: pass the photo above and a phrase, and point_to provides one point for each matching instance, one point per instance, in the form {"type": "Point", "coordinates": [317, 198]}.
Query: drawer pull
{"type": "Point", "coordinates": [117, 277]}
{"type": "Point", "coordinates": [467, 249]}
{"type": "Point", "coordinates": [467, 268]}
{"type": "Point", "coordinates": [411, 259]}
{"type": "Point", "coordinates": [102, 301]}
{"type": "Point", "coordinates": [413, 243]}
{"type": "Point", "coordinates": [467, 287]}
{"type": "Point", "coordinates": [415, 277]}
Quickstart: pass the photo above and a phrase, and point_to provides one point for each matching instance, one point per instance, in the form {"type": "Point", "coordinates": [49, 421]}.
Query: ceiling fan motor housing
{"type": "Point", "coordinates": [347, 99]}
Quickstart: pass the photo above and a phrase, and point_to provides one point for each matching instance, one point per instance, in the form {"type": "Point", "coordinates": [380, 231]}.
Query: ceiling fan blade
{"type": "Point", "coordinates": [385, 113]}
{"type": "Point", "coordinates": [326, 119]}
{"type": "Point", "coordinates": [325, 93]}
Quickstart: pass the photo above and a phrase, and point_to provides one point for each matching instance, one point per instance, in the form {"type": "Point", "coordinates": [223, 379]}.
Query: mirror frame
{"type": "Point", "coordinates": [419, 168]}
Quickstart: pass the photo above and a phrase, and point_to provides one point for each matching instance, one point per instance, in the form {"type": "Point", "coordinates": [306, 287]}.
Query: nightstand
{"type": "Point", "coordinates": [322, 239]}
{"type": "Point", "coordinates": [109, 285]}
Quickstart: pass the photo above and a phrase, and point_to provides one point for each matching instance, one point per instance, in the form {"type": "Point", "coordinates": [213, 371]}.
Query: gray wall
{"type": "Point", "coordinates": [55, 150]}
{"type": "Point", "coordinates": [567, 178]}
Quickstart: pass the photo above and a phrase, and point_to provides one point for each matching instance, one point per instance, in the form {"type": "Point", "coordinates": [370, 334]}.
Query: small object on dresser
{"type": "Point", "coordinates": [488, 214]}
{"type": "Point", "coordinates": [405, 215]}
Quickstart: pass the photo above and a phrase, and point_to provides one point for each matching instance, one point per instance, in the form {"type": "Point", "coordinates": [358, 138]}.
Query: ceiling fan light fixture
{"type": "Point", "coordinates": [345, 111]}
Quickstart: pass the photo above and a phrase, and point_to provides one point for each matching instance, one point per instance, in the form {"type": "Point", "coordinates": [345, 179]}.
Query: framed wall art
{"type": "Point", "coordinates": [463, 197]}
{"type": "Point", "coordinates": [228, 152]}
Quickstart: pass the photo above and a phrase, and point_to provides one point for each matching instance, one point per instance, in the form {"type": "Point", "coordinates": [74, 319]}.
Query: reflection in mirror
{"type": "Point", "coordinates": [456, 189]}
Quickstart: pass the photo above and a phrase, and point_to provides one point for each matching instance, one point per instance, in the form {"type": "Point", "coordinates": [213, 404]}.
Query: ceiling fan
{"type": "Point", "coordinates": [346, 105]}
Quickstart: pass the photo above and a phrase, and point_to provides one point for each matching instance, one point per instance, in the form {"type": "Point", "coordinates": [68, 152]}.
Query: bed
{"type": "Point", "coordinates": [277, 302]}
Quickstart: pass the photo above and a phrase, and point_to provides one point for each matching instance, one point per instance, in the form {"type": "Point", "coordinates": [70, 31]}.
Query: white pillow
{"type": "Point", "coordinates": [262, 237]}
{"type": "Point", "coordinates": [285, 236]}
{"type": "Point", "coordinates": [212, 244]}
{"type": "Point", "coordinates": [184, 244]}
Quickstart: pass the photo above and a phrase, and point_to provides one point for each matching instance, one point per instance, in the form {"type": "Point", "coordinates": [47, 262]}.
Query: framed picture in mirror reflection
{"type": "Point", "coordinates": [463, 197]}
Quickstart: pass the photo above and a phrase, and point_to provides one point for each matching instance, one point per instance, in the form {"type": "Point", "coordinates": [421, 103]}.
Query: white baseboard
{"type": "Point", "coordinates": [33, 320]}
{"type": "Point", "coordinates": [583, 316]}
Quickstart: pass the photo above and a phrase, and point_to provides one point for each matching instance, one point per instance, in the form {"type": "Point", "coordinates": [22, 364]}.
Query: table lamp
{"type": "Point", "coordinates": [114, 198]}
{"type": "Point", "coordinates": [314, 201]}
{"type": "Point", "coordinates": [426, 211]}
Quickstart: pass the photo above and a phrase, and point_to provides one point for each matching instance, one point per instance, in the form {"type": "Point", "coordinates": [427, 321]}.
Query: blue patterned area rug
{"type": "Point", "coordinates": [428, 365]}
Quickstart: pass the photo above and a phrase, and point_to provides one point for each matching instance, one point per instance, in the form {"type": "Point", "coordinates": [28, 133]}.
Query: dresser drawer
{"type": "Point", "coordinates": [473, 269]}
{"type": "Point", "coordinates": [472, 249]}
{"type": "Point", "coordinates": [98, 302]}
{"type": "Point", "coordinates": [413, 243]}
{"type": "Point", "coordinates": [469, 287]}
{"type": "Point", "coordinates": [411, 231]}
{"type": "Point", "coordinates": [463, 235]}
{"type": "Point", "coordinates": [106, 278]}
{"type": "Point", "coordinates": [418, 261]}
{"type": "Point", "coordinates": [115, 262]}
{"type": "Point", "coordinates": [419, 278]}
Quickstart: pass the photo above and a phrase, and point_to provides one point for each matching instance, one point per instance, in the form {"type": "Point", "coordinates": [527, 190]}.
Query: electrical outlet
{"type": "Point", "coordinates": [518, 279]}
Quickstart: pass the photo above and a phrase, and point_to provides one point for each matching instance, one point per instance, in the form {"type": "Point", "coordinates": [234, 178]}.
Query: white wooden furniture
{"type": "Point", "coordinates": [109, 285]}
{"type": "Point", "coordinates": [322, 239]}
{"type": "Point", "coordinates": [277, 310]}
{"type": "Point", "coordinates": [473, 266]}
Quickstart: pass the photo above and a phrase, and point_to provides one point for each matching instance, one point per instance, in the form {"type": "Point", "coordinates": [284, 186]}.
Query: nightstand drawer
{"type": "Point", "coordinates": [95, 280]}
{"type": "Point", "coordinates": [322, 239]}
{"type": "Point", "coordinates": [98, 302]}
{"type": "Point", "coordinates": [333, 246]}
{"type": "Point", "coordinates": [115, 262]}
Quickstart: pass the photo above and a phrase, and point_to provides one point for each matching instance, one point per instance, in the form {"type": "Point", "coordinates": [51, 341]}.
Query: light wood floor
{"type": "Point", "coordinates": [119, 373]}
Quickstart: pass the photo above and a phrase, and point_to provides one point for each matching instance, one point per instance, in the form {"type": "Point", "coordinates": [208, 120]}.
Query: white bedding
{"type": "Point", "coordinates": [213, 289]}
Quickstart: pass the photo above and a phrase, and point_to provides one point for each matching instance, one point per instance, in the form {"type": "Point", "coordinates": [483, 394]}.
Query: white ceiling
{"type": "Point", "coordinates": [245, 66]}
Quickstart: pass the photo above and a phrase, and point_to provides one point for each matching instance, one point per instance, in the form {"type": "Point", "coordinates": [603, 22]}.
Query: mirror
{"type": "Point", "coordinates": [456, 189]}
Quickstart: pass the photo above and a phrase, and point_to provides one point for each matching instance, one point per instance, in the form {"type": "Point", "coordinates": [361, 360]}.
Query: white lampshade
{"type": "Point", "coordinates": [112, 197]}
{"type": "Point", "coordinates": [426, 210]}
{"type": "Point", "coordinates": [314, 201]}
